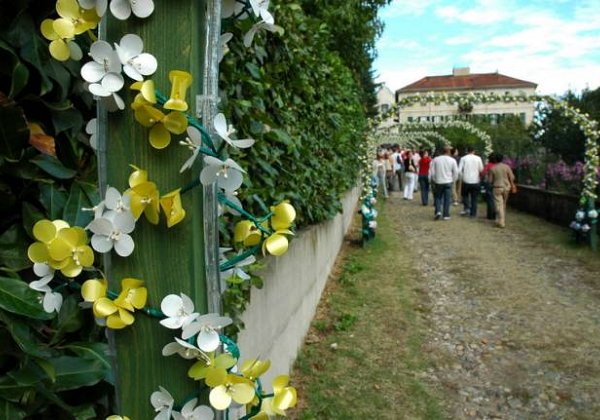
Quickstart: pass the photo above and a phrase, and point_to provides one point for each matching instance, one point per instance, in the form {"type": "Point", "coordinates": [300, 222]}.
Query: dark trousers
{"type": "Point", "coordinates": [424, 185]}
{"type": "Point", "coordinates": [470, 195]}
{"type": "Point", "coordinates": [442, 196]}
{"type": "Point", "coordinates": [399, 175]}
{"type": "Point", "coordinates": [489, 201]}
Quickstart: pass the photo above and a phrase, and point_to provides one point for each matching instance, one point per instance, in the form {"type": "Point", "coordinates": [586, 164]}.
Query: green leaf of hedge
{"type": "Point", "coordinates": [53, 199]}
{"type": "Point", "coordinates": [76, 372]}
{"type": "Point", "coordinates": [94, 351]}
{"type": "Point", "coordinates": [13, 248]}
{"type": "Point", "coordinates": [16, 297]}
{"type": "Point", "coordinates": [53, 166]}
{"type": "Point", "coordinates": [78, 199]}
{"type": "Point", "coordinates": [23, 335]}
{"type": "Point", "coordinates": [9, 410]}
{"type": "Point", "coordinates": [31, 214]}
{"type": "Point", "coordinates": [14, 134]}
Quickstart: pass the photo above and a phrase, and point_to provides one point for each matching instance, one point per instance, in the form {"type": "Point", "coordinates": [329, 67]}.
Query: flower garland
{"type": "Point", "coordinates": [588, 126]}
{"type": "Point", "coordinates": [62, 252]}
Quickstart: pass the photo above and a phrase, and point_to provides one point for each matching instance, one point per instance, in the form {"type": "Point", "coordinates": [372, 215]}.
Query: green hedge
{"type": "Point", "coordinates": [303, 106]}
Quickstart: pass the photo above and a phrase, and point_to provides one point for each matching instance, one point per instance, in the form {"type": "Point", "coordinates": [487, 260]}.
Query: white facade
{"type": "Point", "coordinates": [443, 111]}
{"type": "Point", "coordinates": [385, 101]}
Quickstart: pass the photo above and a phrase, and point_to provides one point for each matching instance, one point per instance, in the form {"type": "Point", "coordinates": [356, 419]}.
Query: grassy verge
{"type": "Point", "coordinates": [364, 352]}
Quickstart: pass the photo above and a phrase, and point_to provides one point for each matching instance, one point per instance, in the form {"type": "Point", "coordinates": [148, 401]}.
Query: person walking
{"type": "Point", "coordinates": [416, 159]}
{"type": "Point", "coordinates": [456, 190]}
{"type": "Point", "coordinates": [410, 174]}
{"type": "Point", "coordinates": [443, 172]}
{"type": "Point", "coordinates": [424, 164]}
{"type": "Point", "coordinates": [397, 162]}
{"type": "Point", "coordinates": [469, 170]}
{"type": "Point", "coordinates": [488, 189]}
{"type": "Point", "coordinates": [503, 181]}
{"type": "Point", "coordinates": [379, 173]}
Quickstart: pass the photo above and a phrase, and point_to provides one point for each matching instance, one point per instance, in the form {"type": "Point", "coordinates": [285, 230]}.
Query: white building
{"type": "Point", "coordinates": [462, 81]}
{"type": "Point", "coordinates": [385, 100]}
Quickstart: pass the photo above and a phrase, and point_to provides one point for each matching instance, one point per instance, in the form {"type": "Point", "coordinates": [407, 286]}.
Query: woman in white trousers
{"type": "Point", "coordinates": [410, 173]}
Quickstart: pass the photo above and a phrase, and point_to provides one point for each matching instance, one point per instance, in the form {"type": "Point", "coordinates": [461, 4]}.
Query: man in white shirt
{"type": "Point", "coordinates": [443, 171]}
{"type": "Point", "coordinates": [469, 170]}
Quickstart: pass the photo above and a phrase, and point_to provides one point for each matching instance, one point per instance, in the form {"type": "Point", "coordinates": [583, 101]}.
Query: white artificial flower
{"type": "Point", "coordinates": [112, 102]}
{"type": "Point", "coordinates": [205, 326]}
{"type": "Point", "coordinates": [193, 141]}
{"type": "Point", "coordinates": [579, 215]}
{"type": "Point", "coordinates": [231, 8]}
{"type": "Point", "coordinates": [118, 207]}
{"type": "Point", "coordinates": [136, 64]}
{"type": "Point", "coordinates": [225, 131]}
{"type": "Point", "coordinates": [223, 47]}
{"type": "Point", "coordinates": [585, 228]}
{"type": "Point", "coordinates": [373, 224]}
{"type": "Point", "coordinates": [260, 9]}
{"type": "Point", "coordinates": [592, 214]}
{"type": "Point", "coordinates": [179, 311]}
{"type": "Point", "coordinates": [249, 36]}
{"type": "Point", "coordinates": [104, 72]}
{"type": "Point", "coordinates": [184, 349]}
{"type": "Point", "coordinates": [162, 401]}
{"type": "Point", "coordinates": [110, 231]}
{"type": "Point", "coordinates": [99, 5]}
{"type": "Point", "coordinates": [121, 9]}
{"type": "Point", "coordinates": [191, 412]}
{"type": "Point", "coordinates": [232, 197]}
{"type": "Point", "coordinates": [90, 128]}
{"type": "Point", "coordinates": [52, 301]}
{"type": "Point", "coordinates": [237, 270]}
{"type": "Point", "coordinates": [227, 174]}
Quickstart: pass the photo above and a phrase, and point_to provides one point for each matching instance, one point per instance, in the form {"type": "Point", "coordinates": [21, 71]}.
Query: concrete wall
{"type": "Point", "coordinates": [280, 313]}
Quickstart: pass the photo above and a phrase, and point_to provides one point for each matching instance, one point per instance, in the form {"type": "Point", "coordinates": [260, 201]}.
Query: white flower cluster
{"type": "Point", "coordinates": [121, 9]}
{"type": "Point", "coordinates": [103, 73]}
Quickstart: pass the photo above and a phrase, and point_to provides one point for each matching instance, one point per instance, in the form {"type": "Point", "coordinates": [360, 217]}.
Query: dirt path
{"type": "Point", "coordinates": [514, 314]}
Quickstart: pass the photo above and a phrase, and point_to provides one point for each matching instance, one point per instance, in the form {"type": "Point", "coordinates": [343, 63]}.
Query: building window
{"type": "Point", "coordinates": [385, 108]}
{"type": "Point", "coordinates": [409, 119]}
{"type": "Point", "coordinates": [523, 118]}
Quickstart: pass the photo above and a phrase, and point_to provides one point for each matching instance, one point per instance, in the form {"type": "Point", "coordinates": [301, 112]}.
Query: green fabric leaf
{"type": "Point", "coordinates": [70, 317]}
{"type": "Point", "coordinates": [53, 199]}
{"type": "Point", "coordinates": [14, 134]}
{"type": "Point", "coordinates": [16, 297]}
{"type": "Point", "coordinates": [67, 120]}
{"type": "Point", "coordinates": [53, 166]}
{"type": "Point", "coordinates": [28, 375]}
{"type": "Point", "coordinates": [35, 52]}
{"type": "Point", "coordinates": [20, 73]}
{"type": "Point", "coordinates": [13, 248]}
{"type": "Point", "coordinates": [76, 372]}
{"type": "Point", "coordinates": [78, 199]}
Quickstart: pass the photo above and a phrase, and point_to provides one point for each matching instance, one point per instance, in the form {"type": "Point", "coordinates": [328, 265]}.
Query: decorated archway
{"type": "Point", "coordinates": [585, 221]}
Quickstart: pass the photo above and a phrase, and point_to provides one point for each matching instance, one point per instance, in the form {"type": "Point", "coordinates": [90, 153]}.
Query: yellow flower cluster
{"type": "Point", "coordinates": [118, 312]}
{"type": "Point", "coordinates": [145, 199]}
{"type": "Point", "coordinates": [249, 234]}
{"type": "Point", "coordinates": [61, 246]}
{"type": "Point", "coordinates": [74, 20]}
{"type": "Point", "coordinates": [162, 125]}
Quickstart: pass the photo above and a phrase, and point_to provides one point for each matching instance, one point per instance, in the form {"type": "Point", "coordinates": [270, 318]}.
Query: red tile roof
{"type": "Point", "coordinates": [466, 82]}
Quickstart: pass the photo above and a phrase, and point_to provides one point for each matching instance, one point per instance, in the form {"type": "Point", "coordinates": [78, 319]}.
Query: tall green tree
{"type": "Point", "coordinates": [354, 28]}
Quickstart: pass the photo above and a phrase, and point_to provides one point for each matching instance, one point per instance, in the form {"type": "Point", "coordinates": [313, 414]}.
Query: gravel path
{"type": "Point", "coordinates": [514, 323]}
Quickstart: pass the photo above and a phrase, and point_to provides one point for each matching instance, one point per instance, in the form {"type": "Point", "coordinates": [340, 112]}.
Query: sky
{"type": "Point", "coordinates": [554, 43]}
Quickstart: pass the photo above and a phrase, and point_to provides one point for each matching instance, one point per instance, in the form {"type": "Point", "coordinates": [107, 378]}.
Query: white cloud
{"type": "Point", "coordinates": [406, 8]}
{"type": "Point", "coordinates": [459, 40]}
{"type": "Point", "coordinates": [398, 44]}
{"type": "Point", "coordinates": [482, 14]}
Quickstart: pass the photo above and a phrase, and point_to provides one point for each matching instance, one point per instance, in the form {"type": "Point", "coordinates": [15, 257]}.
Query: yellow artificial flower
{"type": "Point", "coordinates": [161, 125]}
{"type": "Point", "coordinates": [45, 231]}
{"type": "Point", "coordinates": [118, 313]}
{"type": "Point", "coordinates": [73, 20]}
{"type": "Point", "coordinates": [180, 82]}
{"type": "Point", "coordinates": [213, 370]}
{"type": "Point", "coordinates": [117, 417]}
{"type": "Point", "coordinates": [254, 368]}
{"type": "Point", "coordinates": [144, 196]}
{"type": "Point", "coordinates": [234, 388]}
{"type": "Point", "coordinates": [284, 215]}
{"type": "Point", "coordinates": [171, 205]}
{"type": "Point", "coordinates": [70, 245]}
{"type": "Point", "coordinates": [284, 397]}
{"type": "Point", "coordinates": [147, 93]}
{"type": "Point", "coordinates": [247, 233]}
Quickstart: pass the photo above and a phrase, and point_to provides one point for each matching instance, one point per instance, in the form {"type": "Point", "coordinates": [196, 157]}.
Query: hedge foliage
{"type": "Point", "coordinates": [302, 104]}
